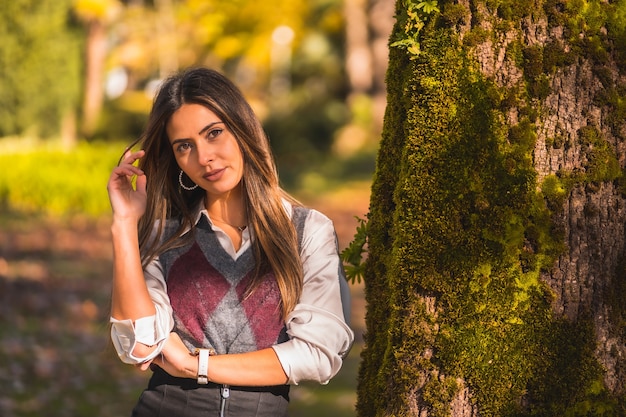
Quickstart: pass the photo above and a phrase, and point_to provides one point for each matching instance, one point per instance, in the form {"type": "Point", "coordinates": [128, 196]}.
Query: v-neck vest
{"type": "Point", "coordinates": [207, 291]}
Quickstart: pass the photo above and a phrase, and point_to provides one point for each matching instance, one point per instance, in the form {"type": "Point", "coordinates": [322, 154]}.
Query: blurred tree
{"type": "Point", "coordinates": [368, 26]}
{"type": "Point", "coordinates": [496, 269]}
{"type": "Point", "coordinates": [166, 40]}
{"type": "Point", "coordinates": [235, 36]}
{"type": "Point", "coordinates": [96, 15]}
{"type": "Point", "coordinates": [287, 56]}
{"type": "Point", "coordinates": [39, 68]}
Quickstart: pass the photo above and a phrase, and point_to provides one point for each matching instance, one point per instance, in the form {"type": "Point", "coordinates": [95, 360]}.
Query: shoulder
{"type": "Point", "coordinates": [316, 218]}
{"type": "Point", "coordinates": [315, 231]}
{"type": "Point", "coordinates": [306, 218]}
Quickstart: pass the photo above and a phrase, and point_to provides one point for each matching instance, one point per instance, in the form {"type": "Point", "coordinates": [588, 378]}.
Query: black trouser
{"type": "Point", "coordinates": [167, 396]}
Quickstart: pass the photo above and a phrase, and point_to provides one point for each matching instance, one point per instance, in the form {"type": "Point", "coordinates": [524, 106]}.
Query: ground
{"type": "Point", "coordinates": [55, 354]}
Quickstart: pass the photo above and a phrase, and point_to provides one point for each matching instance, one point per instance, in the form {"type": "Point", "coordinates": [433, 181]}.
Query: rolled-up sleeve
{"type": "Point", "coordinates": [319, 335]}
{"type": "Point", "coordinates": [151, 330]}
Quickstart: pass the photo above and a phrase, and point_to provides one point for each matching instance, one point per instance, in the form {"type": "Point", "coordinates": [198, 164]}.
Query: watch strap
{"type": "Point", "coordinates": [203, 366]}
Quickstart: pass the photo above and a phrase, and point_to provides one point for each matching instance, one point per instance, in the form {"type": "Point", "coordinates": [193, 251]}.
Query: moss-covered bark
{"type": "Point", "coordinates": [466, 231]}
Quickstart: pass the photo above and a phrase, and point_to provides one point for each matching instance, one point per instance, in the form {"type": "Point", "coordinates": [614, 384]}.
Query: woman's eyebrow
{"type": "Point", "coordinates": [210, 125]}
{"type": "Point", "coordinates": [204, 129]}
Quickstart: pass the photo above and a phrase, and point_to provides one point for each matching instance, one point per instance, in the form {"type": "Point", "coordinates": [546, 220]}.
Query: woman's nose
{"type": "Point", "coordinates": [205, 155]}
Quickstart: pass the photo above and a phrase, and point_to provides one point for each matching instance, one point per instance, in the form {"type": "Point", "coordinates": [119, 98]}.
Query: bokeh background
{"type": "Point", "coordinates": [77, 79]}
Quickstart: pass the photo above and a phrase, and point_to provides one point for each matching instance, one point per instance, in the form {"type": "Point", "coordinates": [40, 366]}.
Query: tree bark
{"type": "Point", "coordinates": [495, 271]}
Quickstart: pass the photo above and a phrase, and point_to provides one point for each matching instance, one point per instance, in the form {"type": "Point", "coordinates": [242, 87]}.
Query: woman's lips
{"type": "Point", "coordinates": [214, 175]}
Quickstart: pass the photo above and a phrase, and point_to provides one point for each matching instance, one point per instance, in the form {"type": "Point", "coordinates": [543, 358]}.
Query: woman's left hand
{"type": "Point", "coordinates": [176, 360]}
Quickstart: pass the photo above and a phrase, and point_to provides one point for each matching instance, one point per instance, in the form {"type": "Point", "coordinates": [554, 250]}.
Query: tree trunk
{"type": "Point", "coordinates": [380, 23]}
{"type": "Point", "coordinates": [96, 50]}
{"type": "Point", "coordinates": [496, 273]}
{"type": "Point", "coordinates": [166, 38]}
{"type": "Point", "coordinates": [358, 54]}
{"type": "Point", "coordinates": [368, 25]}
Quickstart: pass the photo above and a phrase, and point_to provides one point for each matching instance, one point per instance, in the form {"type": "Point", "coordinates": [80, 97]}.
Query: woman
{"type": "Point", "coordinates": [223, 285]}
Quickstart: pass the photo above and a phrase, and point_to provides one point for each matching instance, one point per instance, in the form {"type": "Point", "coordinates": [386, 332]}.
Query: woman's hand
{"type": "Point", "coordinates": [176, 360]}
{"type": "Point", "coordinates": [127, 203]}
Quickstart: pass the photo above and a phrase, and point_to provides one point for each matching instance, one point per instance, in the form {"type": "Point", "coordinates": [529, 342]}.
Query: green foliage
{"type": "Point", "coordinates": [40, 69]}
{"type": "Point", "coordinates": [352, 255]}
{"type": "Point", "coordinates": [298, 88]}
{"type": "Point", "coordinates": [49, 179]}
{"type": "Point", "coordinates": [415, 14]}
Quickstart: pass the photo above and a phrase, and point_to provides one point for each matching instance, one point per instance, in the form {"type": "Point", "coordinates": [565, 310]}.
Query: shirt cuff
{"type": "Point", "coordinates": [125, 335]}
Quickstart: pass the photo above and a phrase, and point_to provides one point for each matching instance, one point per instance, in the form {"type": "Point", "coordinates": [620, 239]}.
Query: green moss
{"type": "Point", "coordinates": [540, 88]}
{"type": "Point", "coordinates": [454, 14]}
{"type": "Point", "coordinates": [514, 10]}
{"type": "Point", "coordinates": [515, 53]}
{"type": "Point", "coordinates": [601, 162]}
{"type": "Point", "coordinates": [456, 216]}
{"type": "Point", "coordinates": [475, 36]}
{"type": "Point", "coordinates": [523, 136]}
{"type": "Point", "coordinates": [554, 190]}
{"type": "Point", "coordinates": [533, 61]}
{"type": "Point", "coordinates": [538, 78]}
{"type": "Point", "coordinates": [617, 299]}
{"type": "Point", "coordinates": [438, 393]}
{"type": "Point", "coordinates": [558, 142]}
{"type": "Point", "coordinates": [554, 57]}
{"type": "Point", "coordinates": [510, 98]}
{"type": "Point", "coordinates": [571, 381]}
{"type": "Point", "coordinates": [615, 98]}
{"type": "Point", "coordinates": [530, 112]}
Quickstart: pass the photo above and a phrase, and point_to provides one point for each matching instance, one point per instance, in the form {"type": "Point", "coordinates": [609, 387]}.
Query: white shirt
{"type": "Point", "coordinates": [319, 337]}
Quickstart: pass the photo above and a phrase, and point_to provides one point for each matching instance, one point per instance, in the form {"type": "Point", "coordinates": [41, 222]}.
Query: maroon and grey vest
{"type": "Point", "coordinates": [207, 290]}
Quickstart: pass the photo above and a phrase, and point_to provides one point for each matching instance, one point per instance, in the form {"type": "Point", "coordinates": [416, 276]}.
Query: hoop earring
{"type": "Point", "coordinates": [183, 186]}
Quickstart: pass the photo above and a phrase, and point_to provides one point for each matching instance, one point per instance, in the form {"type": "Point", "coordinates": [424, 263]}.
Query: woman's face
{"type": "Point", "coordinates": [206, 150]}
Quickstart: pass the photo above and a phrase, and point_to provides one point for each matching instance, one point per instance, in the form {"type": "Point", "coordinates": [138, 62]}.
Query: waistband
{"type": "Point", "coordinates": [160, 377]}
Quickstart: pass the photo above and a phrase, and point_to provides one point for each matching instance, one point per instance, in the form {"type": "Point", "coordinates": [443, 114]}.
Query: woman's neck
{"type": "Point", "coordinates": [229, 215]}
{"type": "Point", "coordinates": [227, 210]}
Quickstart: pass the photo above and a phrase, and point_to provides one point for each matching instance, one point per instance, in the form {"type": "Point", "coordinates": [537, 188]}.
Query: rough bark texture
{"type": "Point", "coordinates": [495, 279]}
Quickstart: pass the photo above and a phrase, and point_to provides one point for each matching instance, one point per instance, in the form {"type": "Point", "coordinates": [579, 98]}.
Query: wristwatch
{"type": "Point", "coordinates": [203, 364]}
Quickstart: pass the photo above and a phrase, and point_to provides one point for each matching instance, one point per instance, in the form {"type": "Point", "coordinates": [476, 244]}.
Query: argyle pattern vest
{"type": "Point", "coordinates": [207, 290]}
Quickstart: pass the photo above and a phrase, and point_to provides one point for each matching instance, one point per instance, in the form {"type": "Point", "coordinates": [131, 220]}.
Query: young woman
{"type": "Point", "coordinates": [223, 285]}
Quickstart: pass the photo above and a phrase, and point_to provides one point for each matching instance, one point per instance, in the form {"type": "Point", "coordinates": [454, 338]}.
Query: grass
{"type": "Point", "coordinates": [338, 398]}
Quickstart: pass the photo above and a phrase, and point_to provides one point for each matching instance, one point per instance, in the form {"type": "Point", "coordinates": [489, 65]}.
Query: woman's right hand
{"type": "Point", "coordinates": [127, 202]}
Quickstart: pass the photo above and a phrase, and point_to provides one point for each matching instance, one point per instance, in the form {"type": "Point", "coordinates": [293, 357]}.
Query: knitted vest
{"type": "Point", "coordinates": [207, 290]}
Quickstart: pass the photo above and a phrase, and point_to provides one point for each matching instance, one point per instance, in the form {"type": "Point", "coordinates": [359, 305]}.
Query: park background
{"type": "Point", "coordinates": [76, 82]}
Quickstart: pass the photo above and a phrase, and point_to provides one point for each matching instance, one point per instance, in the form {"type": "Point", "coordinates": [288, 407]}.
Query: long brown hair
{"type": "Point", "coordinates": [275, 244]}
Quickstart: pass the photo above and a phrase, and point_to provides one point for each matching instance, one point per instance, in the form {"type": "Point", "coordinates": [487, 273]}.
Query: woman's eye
{"type": "Point", "coordinates": [211, 134]}
{"type": "Point", "coordinates": [183, 147]}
